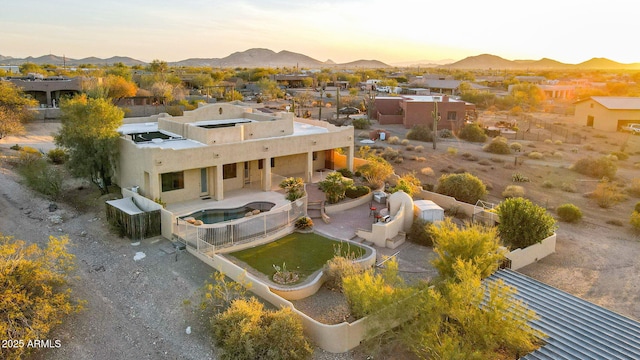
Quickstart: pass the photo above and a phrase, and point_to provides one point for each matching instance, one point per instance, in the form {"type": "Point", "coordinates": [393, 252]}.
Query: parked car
{"type": "Point", "coordinates": [632, 128]}
{"type": "Point", "coordinates": [349, 110]}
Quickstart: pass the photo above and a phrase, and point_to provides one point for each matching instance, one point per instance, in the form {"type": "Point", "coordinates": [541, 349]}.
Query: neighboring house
{"type": "Point", "coordinates": [48, 91]}
{"type": "Point", "coordinates": [559, 91]}
{"type": "Point", "coordinates": [449, 87]}
{"type": "Point", "coordinates": [221, 147]}
{"type": "Point", "coordinates": [607, 113]}
{"type": "Point", "coordinates": [412, 110]}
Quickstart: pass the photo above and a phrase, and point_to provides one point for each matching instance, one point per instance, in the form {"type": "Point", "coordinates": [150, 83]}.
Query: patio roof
{"type": "Point", "coordinates": [576, 329]}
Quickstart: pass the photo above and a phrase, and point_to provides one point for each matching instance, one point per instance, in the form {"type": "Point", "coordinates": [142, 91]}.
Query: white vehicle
{"type": "Point", "coordinates": [632, 128]}
{"type": "Point", "coordinates": [385, 89]}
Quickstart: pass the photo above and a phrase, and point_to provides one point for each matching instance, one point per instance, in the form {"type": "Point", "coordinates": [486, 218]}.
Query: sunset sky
{"type": "Point", "coordinates": [340, 30]}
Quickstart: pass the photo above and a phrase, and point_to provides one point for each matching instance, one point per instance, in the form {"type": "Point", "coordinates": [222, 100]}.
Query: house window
{"type": "Point", "coordinates": [173, 181]}
{"type": "Point", "coordinates": [315, 155]}
{"type": "Point", "coordinates": [260, 164]}
{"type": "Point", "coordinates": [273, 162]}
{"type": "Point", "coordinates": [451, 115]}
{"type": "Point", "coordinates": [229, 171]}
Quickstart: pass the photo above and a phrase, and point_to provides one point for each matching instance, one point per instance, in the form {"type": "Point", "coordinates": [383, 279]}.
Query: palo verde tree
{"type": "Point", "coordinates": [89, 135]}
{"type": "Point", "coordinates": [13, 109]}
{"type": "Point", "coordinates": [34, 296]}
{"type": "Point", "coordinates": [523, 223]}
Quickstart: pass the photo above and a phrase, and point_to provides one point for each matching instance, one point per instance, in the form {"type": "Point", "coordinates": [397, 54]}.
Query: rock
{"type": "Point", "coordinates": [83, 233]}
{"type": "Point", "coordinates": [188, 331]}
{"type": "Point", "coordinates": [53, 207]}
{"type": "Point", "coordinates": [55, 219]}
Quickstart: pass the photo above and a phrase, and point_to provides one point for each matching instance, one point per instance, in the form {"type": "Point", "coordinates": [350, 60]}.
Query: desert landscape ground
{"type": "Point", "coordinates": [143, 308]}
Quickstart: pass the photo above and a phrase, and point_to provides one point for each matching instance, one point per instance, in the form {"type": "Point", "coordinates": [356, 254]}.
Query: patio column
{"type": "Point", "coordinates": [309, 172]}
{"type": "Point", "coordinates": [218, 183]}
{"type": "Point", "coordinates": [266, 174]}
{"type": "Point", "coordinates": [350, 156]}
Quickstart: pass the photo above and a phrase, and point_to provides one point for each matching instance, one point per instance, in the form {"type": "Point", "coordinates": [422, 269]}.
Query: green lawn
{"type": "Point", "coordinates": [302, 253]}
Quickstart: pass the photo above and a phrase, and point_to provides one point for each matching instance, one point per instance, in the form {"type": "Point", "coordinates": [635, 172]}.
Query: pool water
{"type": "Point", "coordinates": [212, 216]}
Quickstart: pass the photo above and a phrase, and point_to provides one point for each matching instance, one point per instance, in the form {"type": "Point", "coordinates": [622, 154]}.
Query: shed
{"type": "Point", "coordinates": [131, 221]}
{"type": "Point", "coordinates": [428, 210]}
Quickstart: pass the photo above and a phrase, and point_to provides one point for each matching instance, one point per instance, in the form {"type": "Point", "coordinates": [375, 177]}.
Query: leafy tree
{"type": "Point", "coordinates": [464, 187]}
{"type": "Point", "coordinates": [334, 186]}
{"type": "Point", "coordinates": [497, 146]}
{"type": "Point", "coordinates": [376, 171]}
{"type": "Point", "coordinates": [462, 319]}
{"type": "Point", "coordinates": [34, 296]}
{"type": "Point", "coordinates": [247, 331]}
{"type": "Point", "coordinates": [269, 88]}
{"type": "Point", "coordinates": [31, 68]}
{"type": "Point", "coordinates": [118, 87]}
{"type": "Point", "coordinates": [472, 132]}
{"type": "Point", "coordinates": [119, 69]}
{"type": "Point", "coordinates": [89, 134]}
{"type": "Point", "coordinates": [523, 223]}
{"type": "Point", "coordinates": [294, 187]}
{"type": "Point", "coordinates": [13, 109]}
{"type": "Point", "coordinates": [474, 243]}
{"type": "Point", "coordinates": [420, 133]}
{"type": "Point", "coordinates": [421, 232]}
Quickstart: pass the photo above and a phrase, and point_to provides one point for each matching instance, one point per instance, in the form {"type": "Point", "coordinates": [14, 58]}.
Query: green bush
{"type": "Point", "coordinates": [637, 207]}
{"type": "Point", "coordinates": [445, 134]}
{"type": "Point", "coordinates": [634, 188]}
{"type": "Point", "coordinates": [515, 146]}
{"type": "Point", "coordinates": [421, 232]}
{"type": "Point", "coordinates": [464, 187]}
{"type": "Point", "coordinates": [361, 123]}
{"type": "Point", "coordinates": [356, 192]}
{"type": "Point", "coordinates": [247, 331]}
{"type": "Point", "coordinates": [523, 223]}
{"type": "Point", "coordinates": [597, 168]}
{"type": "Point", "coordinates": [346, 173]}
{"type": "Point", "coordinates": [569, 213]}
{"type": "Point", "coordinates": [16, 147]}
{"type": "Point", "coordinates": [473, 133]}
{"type": "Point", "coordinates": [337, 269]}
{"type": "Point", "coordinates": [394, 140]}
{"type": "Point", "coordinates": [635, 221]}
{"type": "Point", "coordinates": [420, 133]}
{"type": "Point", "coordinates": [535, 155]}
{"type": "Point", "coordinates": [42, 177]}
{"type": "Point", "coordinates": [497, 146]}
{"type": "Point", "coordinates": [517, 177]}
{"type": "Point", "coordinates": [57, 156]}
{"type": "Point", "coordinates": [620, 155]}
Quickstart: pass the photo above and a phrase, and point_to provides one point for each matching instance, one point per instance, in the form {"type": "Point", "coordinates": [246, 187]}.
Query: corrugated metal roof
{"type": "Point", "coordinates": [576, 329]}
{"type": "Point", "coordinates": [618, 102]}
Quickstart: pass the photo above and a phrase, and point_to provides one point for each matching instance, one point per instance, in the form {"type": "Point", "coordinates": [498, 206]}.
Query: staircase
{"type": "Point", "coordinates": [315, 210]}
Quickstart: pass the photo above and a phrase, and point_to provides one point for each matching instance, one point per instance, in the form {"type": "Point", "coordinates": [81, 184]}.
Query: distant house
{"type": "Point", "coordinates": [607, 113]}
{"type": "Point", "coordinates": [412, 110]}
{"type": "Point", "coordinates": [48, 91]}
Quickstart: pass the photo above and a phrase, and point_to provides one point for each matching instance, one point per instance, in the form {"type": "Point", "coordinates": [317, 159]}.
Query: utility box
{"type": "Point", "coordinates": [380, 197]}
{"type": "Point", "coordinates": [428, 210]}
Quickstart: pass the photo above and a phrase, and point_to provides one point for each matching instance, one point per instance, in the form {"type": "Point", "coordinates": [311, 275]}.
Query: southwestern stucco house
{"type": "Point", "coordinates": [221, 147]}
{"type": "Point", "coordinates": [607, 113]}
{"type": "Point", "coordinates": [412, 110]}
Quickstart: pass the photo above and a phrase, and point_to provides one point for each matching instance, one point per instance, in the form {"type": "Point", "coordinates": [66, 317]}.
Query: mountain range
{"type": "Point", "coordinates": [258, 57]}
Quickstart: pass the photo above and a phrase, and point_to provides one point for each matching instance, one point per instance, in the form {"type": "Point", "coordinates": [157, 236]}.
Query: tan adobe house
{"type": "Point", "coordinates": [608, 113]}
{"type": "Point", "coordinates": [222, 147]}
{"type": "Point", "coordinates": [411, 110]}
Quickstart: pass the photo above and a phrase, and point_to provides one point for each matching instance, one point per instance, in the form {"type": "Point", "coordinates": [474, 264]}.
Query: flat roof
{"type": "Point", "coordinates": [221, 123]}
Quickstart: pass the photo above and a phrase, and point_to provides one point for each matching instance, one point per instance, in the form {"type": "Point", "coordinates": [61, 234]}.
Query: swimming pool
{"type": "Point", "coordinates": [212, 216]}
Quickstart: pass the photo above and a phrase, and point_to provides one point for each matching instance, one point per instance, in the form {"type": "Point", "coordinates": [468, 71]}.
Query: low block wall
{"type": "Point", "coordinates": [523, 257]}
{"type": "Point", "coordinates": [346, 205]}
{"type": "Point", "coordinates": [336, 338]}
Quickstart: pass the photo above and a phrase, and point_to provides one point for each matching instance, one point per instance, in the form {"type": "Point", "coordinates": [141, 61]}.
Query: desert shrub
{"type": "Point", "coordinates": [409, 147]}
{"type": "Point", "coordinates": [421, 159]}
{"type": "Point", "coordinates": [357, 191]}
{"type": "Point", "coordinates": [247, 331]}
{"type": "Point", "coordinates": [427, 171]}
{"type": "Point", "coordinates": [473, 133]}
{"type": "Point", "coordinates": [304, 223]}
{"type": "Point", "coordinates": [515, 146]}
{"type": "Point", "coordinates": [390, 153]}
{"type": "Point", "coordinates": [635, 221]}
{"type": "Point", "coordinates": [42, 177]}
{"type": "Point", "coordinates": [484, 162]}
{"type": "Point", "coordinates": [531, 145]}
{"type": "Point", "coordinates": [568, 187]}
{"type": "Point", "coordinates": [547, 184]}
{"type": "Point", "coordinates": [607, 194]}
{"type": "Point", "coordinates": [337, 269]}
{"type": "Point", "coordinates": [523, 223]}
{"type": "Point", "coordinates": [512, 191]}
{"type": "Point", "coordinates": [334, 187]}
{"type": "Point", "coordinates": [28, 155]}
{"type": "Point", "coordinates": [557, 155]}
{"type": "Point", "coordinates": [445, 134]}
{"type": "Point", "coordinates": [421, 232]}
{"type": "Point", "coordinates": [361, 124]}
{"type": "Point", "coordinates": [637, 207]}
{"type": "Point", "coordinates": [535, 155]}
{"type": "Point", "coordinates": [398, 160]}
{"type": "Point", "coordinates": [497, 160]}
{"type": "Point", "coordinates": [598, 168]}
{"type": "Point", "coordinates": [569, 213]}
{"type": "Point", "coordinates": [363, 135]}
{"type": "Point", "coordinates": [558, 142]}
{"type": "Point", "coordinates": [612, 157]}
{"type": "Point", "coordinates": [452, 151]}
{"type": "Point", "coordinates": [419, 148]}
{"type": "Point", "coordinates": [614, 222]}
{"type": "Point", "coordinates": [620, 155]}
{"type": "Point", "coordinates": [16, 147]}
{"type": "Point", "coordinates": [293, 187]}
{"type": "Point", "coordinates": [57, 156]}
{"type": "Point", "coordinates": [497, 146]}
{"type": "Point", "coordinates": [464, 187]}
{"type": "Point", "coordinates": [420, 133]}
{"type": "Point", "coordinates": [346, 173]}
{"type": "Point", "coordinates": [404, 142]}
{"type": "Point", "coordinates": [517, 177]}
{"type": "Point", "coordinates": [548, 141]}
{"type": "Point", "coordinates": [394, 140]}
